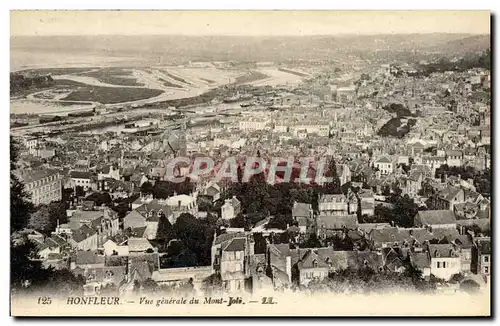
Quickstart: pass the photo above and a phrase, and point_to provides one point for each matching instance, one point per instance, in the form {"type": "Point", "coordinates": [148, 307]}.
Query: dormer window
{"type": "Point", "coordinates": [315, 263]}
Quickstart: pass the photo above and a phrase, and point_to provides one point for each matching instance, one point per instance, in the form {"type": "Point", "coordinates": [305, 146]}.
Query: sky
{"type": "Point", "coordinates": [257, 23]}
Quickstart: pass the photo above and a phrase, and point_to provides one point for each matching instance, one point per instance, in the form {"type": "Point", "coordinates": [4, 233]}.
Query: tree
{"type": "Point", "coordinates": [28, 274]}
{"type": "Point", "coordinates": [311, 242]}
{"type": "Point", "coordinates": [333, 187]}
{"type": "Point", "coordinates": [164, 231]}
{"type": "Point", "coordinates": [45, 219]}
{"type": "Point", "coordinates": [100, 198]}
{"type": "Point", "coordinates": [147, 188]}
{"type": "Point", "coordinates": [386, 191]}
{"type": "Point", "coordinates": [196, 235]}
{"type": "Point", "coordinates": [20, 204]}
{"type": "Point", "coordinates": [404, 210]}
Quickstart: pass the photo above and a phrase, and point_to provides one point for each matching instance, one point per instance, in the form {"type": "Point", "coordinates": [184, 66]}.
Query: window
{"type": "Point", "coordinates": [486, 270]}
{"type": "Point", "coordinates": [444, 264]}
{"type": "Point", "coordinates": [438, 264]}
{"type": "Point", "coordinates": [486, 259]}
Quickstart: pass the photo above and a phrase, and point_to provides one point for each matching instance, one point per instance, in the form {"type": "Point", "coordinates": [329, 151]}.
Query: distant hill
{"type": "Point", "coordinates": [179, 49]}
{"type": "Point", "coordinates": [475, 43]}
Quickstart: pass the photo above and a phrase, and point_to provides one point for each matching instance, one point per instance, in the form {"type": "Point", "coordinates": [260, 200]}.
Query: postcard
{"type": "Point", "coordinates": [250, 163]}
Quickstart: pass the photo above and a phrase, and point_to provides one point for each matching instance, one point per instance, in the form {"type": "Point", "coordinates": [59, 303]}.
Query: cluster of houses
{"type": "Point", "coordinates": [340, 120]}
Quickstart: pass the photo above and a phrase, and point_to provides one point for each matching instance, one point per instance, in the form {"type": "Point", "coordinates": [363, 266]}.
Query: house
{"type": "Point", "coordinates": [99, 277]}
{"type": "Point", "coordinates": [435, 219]}
{"type": "Point", "coordinates": [139, 246]}
{"type": "Point", "coordinates": [148, 215]}
{"type": "Point", "coordinates": [303, 214]}
{"type": "Point", "coordinates": [81, 179]}
{"type": "Point", "coordinates": [114, 247]}
{"type": "Point", "coordinates": [393, 259]}
{"type": "Point", "coordinates": [463, 245]}
{"type": "Point", "coordinates": [212, 191]}
{"type": "Point", "coordinates": [481, 257]}
{"type": "Point", "coordinates": [445, 261]}
{"type": "Point", "coordinates": [180, 204]}
{"type": "Point", "coordinates": [279, 259]}
{"type": "Point", "coordinates": [43, 186]}
{"type": "Point", "coordinates": [182, 275]}
{"type": "Point", "coordinates": [353, 201]}
{"type": "Point", "coordinates": [329, 204]}
{"type": "Point", "coordinates": [84, 238]}
{"type": "Point", "coordinates": [385, 165]}
{"type": "Point", "coordinates": [109, 172]}
{"type": "Point", "coordinates": [311, 267]}
{"type": "Point", "coordinates": [47, 246]}
{"type": "Point", "coordinates": [421, 261]}
{"type": "Point", "coordinates": [103, 223]}
{"type": "Point", "coordinates": [367, 199]}
{"type": "Point", "coordinates": [454, 158]}
{"type": "Point", "coordinates": [231, 208]}
{"type": "Point", "coordinates": [234, 265]}
{"type": "Point", "coordinates": [329, 225]}
{"type": "Point", "coordinates": [448, 197]}
{"type": "Point", "coordinates": [413, 183]}
{"type": "Point", "coordinates": [87, 259]}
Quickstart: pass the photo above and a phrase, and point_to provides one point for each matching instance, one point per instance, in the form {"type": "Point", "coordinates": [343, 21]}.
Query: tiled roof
{"type": "Point", "coordinates": [237, 244]}
{"type": "Point", "coordinates": [436, 217]}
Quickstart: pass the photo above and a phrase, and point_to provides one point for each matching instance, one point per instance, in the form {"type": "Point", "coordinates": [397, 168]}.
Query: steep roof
{"type": "Point", "coordinates": [138, 244]}
{"type": "Point", "coordinates": [337, 221]}
{"type": "Point", "coordinates": [80, 175]}
{"type": "Point", "coordinates": [441, 250]}
{"type": "Point", "coordinates": [436, 217]}
{"type": "Point", "coordinates": [237, 244]}
{"type": "Point", "coordinates": [311, 260]}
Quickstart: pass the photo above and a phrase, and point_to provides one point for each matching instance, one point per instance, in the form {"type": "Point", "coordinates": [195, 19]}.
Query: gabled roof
{"type": "Point", "coordinates": [88, 258]}
{"type": "Point", "coordinates": [237, 244]}
{"type": "Point", "coordinates": [383, 159]}
{"type": "Point", "coordinates": [441, 250]}
{"type": "Point", "coordinates": [420, 260]}
{"type": "Point", "coordinates": [80, 175]}
{"type": "Point", "coordinates": [138, 244]}
{"type": "Point", "coordinates": [436, 217]}
{"type": "Point", "coordinates": [311, 260]}
{"type": "Point", "coordinates": [337, 221]}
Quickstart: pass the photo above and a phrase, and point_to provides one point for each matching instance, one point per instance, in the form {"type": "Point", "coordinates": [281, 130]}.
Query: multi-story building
{"type": "Point", "coordinates": [481, 256]}
{"type": "Point", "coordinates": [445, 261]}
{"type": "Point", "coordinates": [43, 186]}
{"type": "Point", "coordinates": [333, 205]}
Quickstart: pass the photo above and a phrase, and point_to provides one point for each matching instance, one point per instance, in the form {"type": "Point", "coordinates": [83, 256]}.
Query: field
{"type": "Point", "coordinates": [114, 76]}
{"type": "Point", "coordinates": [111, 95]}
{"type": "Point", "coordinates": [179, 79]}
{"type": "Point", "coordinates": [250, 77]}
{"type": "Point", "coordinates": [169, 84]}
{"type": "Point", "coordinates": [57, 71]}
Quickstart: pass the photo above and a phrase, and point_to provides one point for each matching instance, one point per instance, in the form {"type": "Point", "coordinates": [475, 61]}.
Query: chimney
{"type": "Point", "coordinates": [289, 268]}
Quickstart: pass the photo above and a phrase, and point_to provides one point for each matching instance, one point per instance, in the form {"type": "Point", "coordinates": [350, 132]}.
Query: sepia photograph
{"type": "Point", "coordinates": [250, 163]}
